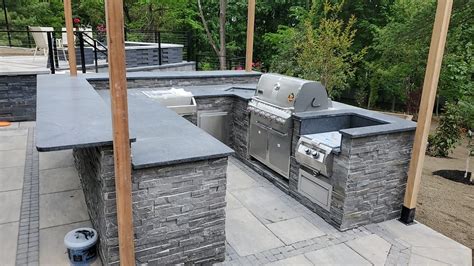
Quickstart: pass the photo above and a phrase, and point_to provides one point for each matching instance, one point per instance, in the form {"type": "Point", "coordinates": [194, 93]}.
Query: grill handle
{"type": "Point", "coordinates": [260, 124]}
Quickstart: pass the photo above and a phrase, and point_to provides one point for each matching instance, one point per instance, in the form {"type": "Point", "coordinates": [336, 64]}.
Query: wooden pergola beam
{"type": "Point", "coordinates": [250, 34]}
{"type": "Point", "coordinates": [118, 96]}
{"type": "Point", "coordinates": [430, 85]}
{"type": "Point", "coordinates": [70, 38]}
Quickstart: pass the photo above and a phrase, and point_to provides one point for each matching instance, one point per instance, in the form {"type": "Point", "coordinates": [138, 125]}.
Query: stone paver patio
{"type": "Point", "coordinates": [41, 200]}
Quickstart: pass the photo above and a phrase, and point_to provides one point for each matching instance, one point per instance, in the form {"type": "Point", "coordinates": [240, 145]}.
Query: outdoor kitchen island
{"type": "Point", "coordinates": [179, 171]}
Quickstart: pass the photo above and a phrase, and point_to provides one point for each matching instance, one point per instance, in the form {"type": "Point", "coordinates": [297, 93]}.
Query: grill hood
{"type": "Point", "coordinates": [288, 92]}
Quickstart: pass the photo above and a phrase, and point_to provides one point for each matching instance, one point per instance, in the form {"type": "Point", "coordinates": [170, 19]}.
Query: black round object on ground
{"type": "Point", "coordinates": [455, 175]}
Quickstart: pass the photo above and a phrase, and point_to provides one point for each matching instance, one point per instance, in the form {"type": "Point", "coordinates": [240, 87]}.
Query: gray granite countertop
{"type": "Point", "coordinates": [164, 137]}
{"type": "Point", "coordinates": [70, 114]}
{"type": "Point", "coordinates": [243, 91]}
{"type": "Point", "coordinates": [177, 74]}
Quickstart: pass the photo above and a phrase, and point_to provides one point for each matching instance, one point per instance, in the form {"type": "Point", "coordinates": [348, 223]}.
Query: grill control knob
{"type": "Point", "coordinates": [307, 151]}
{"type": "Point", "coordinates": [315, 154]}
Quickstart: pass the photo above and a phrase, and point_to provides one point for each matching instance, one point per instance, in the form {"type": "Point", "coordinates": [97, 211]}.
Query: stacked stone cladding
{"type": "Point", "coordinates": [178, 210]}
{"type": "Point", "coordinates": [18, 97]}
{"type": "Point", "coordinates": [369, 179]}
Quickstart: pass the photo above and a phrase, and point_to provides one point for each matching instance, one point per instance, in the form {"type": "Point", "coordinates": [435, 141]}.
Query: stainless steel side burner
{"type": "Point", "coordinates": [316, 151]}
{"type": "Point", "coordinates": [276, 99]}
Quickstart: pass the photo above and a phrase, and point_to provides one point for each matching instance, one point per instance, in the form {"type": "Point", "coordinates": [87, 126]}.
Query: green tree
{"type": "Point", "coordinates": [325, 51]}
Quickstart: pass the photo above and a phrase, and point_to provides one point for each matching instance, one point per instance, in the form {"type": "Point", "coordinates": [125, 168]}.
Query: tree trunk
{"type": "Point", "coordinates": [222, 21]}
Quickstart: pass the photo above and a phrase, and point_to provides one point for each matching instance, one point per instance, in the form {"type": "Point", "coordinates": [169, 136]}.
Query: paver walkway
{"type": "Point", "coordinates": [263, 225]}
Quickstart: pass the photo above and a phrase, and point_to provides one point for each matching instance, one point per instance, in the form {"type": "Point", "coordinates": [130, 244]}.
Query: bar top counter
{"type": "Point", "coordinates": [71, 113]}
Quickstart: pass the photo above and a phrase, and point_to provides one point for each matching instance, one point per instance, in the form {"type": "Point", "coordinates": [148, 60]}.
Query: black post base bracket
{"type": "Point", "coordinates": [408, 215]}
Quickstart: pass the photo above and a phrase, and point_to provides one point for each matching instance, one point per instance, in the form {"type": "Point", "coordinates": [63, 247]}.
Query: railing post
{"type": "Point", "coordinates": [55, 50]}
{"type": "Point", "coordinates": [189, 41]}
{"type": "Point", "coordinates": [159, 49]}
{"type": "Point", "coordinates": [81, 47]}
{"type": "Point", "coordinates": [95, 57]}
{"type": "Point", "coordinates": [28, 36]}
{"type": "Point", "coordinates": [50, 52]}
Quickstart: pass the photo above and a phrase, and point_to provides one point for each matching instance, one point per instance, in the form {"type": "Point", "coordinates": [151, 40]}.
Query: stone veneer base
{"type": "Point", "coordinates": [178, 210]}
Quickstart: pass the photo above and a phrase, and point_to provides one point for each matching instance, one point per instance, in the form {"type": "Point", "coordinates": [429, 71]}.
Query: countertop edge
{"type": "Point", "coordinates": [179, 161]}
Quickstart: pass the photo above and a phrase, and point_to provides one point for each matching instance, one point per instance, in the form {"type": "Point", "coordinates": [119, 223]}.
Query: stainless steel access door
{"type": "Point", "coordinates": [216, 124]}
{"type": "Point", "coordinates": [279, 149]}
{"type": "Point", "coordinates": [258, 142]}
{"type": "Point", "coordinates": [270, 147]}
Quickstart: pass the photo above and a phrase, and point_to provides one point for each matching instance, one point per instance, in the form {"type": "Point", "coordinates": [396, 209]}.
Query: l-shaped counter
{"type": "Point", "coordinates": [179, 170]}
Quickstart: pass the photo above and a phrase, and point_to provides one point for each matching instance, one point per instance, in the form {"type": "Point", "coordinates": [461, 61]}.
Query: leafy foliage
{"type": "Point", "coordinates": [448, 133]}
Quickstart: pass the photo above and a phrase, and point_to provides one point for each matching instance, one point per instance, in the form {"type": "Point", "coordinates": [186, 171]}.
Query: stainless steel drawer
{"type": "Point", "coordinates": [315, 189]}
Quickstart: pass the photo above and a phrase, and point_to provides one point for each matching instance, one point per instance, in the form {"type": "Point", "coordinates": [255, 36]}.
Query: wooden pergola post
{"type": "Point", "coordinates": [430, 85]}
{"type": "Point", "coordinates": [71, 50]}
{"type": "Point", "coordinates": [250, 33]}
{"type": "Point", "coordinates": [118, 96]}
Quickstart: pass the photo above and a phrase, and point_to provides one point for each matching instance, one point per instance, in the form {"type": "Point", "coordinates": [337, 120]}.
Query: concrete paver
{"type": "Point", "coordinates": [265, 204]}
{"type": "Point", "coordinates": [10, 204]}
{"type": "Point", "coordinates": [300, 260]}
{"type": "Point", "coordinates": [294, 230]}
{"type": "Point", "coordinates": [336, 255]}
{"type": "Point", "coordinates": [12, 158]}
{"type": "Point", "coordinates": [373, 248]}
{"type": "Point", "coordinates": [420, 260]}
{"type": "Point", "coordinates": [13, 143]}
{"type": "Point", "coordinates": [247, 235]}
{"type": "Point", "coordinates": [11, 178]}
{"type": "Point", "coordinates": [59, 179]}
{"type": "Point", "coordinates": [8, 240]}
{"type": "Point", "coordinates": [237, 179]}
{"type": "Point", "coordinates": [453, 256]}
{"type": "Point", "coordinates": [56, 159]}
{"type": "Point", "coordinates": [232, 202]}
{"type": "Point", "coordinates": [62, 208]}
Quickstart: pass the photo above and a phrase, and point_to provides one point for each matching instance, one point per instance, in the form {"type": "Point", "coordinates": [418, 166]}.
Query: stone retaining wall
{"type": "Point", "coordinates": [178, 210]}
{"type": "Point", "coordinates": [18, 97]}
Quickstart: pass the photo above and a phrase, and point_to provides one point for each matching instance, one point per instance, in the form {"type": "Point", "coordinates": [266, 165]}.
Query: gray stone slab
{"type": "Point", "coordinates": [10, 205]}
{"type": "Point", "coordinates": [12, 158]}
{"type": "Point", "coordinates": [419, 235]}
{"type": "Point", "coordinates": [336, 255]}
{"type": "Point", "coordinates": [55, 159]}
{"type": "Point", "coordinates": [9, 239]}
{"type": "Point", "coordinates": [232, 202]}
{"type": "Point", "coordinates": [13, 132]}
{"type": "Point", "coordinates": [13, 143]}
{"type": "Point", "coordinates": [266, 205]}
{"type": "Point", "coordinates": [372, 247]}
{"type": "Point", "coordinates": [178, 74]}
{"type": "Point", "coordinates": [70, 114]}
{"type": "Point", "coordinates": [11, 178]}
{"type": "Point", "coordinates": [453, 256]}
{"type": "Point", "coordinates": [294, 230]}
{"type": "Point", "coordinates": [59, 179]}
{"type": "Point", "coordinates": [247, 235]}
{"type": "Point", "coordinates": [238, 179]}
{"type": "Point", "coordinates": [420, 260]}
{"type": "Point", "coordinates": [62, 208]}
{"type": "Point", "coordinates": [300, 260]}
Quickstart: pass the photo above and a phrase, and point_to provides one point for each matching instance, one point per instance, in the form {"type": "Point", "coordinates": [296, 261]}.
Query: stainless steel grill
{"type": "Point", "coordinates": [277, 97]}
